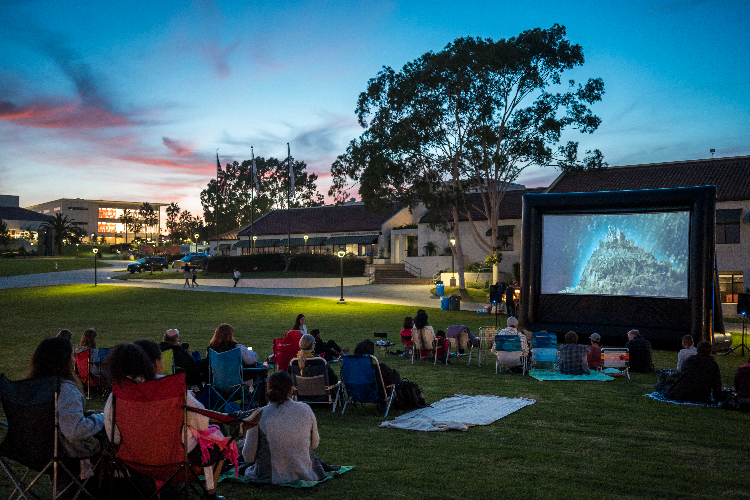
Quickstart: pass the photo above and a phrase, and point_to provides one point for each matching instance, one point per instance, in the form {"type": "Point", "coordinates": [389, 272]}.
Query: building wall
{"type": "Point", "coordinates": [404, 217]}
{"type": "Point", "coordinates": [732, 258]}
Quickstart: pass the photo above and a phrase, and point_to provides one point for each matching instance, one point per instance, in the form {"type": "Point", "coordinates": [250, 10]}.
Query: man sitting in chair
{"type": "Point", "coordinates": [573, 356]}
{"type": "Point", "coordinates": [195, 373]}
{"type": "Point", "coordinates": [512, 359]}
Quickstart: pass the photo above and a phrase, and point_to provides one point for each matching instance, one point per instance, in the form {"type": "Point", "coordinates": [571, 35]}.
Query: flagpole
{"type": "Point", "coordinates": [252, 201]}
{"type": "Point", "coordinates": [288, 204]}
{"type": "Point", "coordinates": [218, 166]}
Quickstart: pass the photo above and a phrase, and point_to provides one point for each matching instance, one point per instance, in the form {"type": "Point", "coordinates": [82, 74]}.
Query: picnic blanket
{"type": "Point", "coordinates": [458, 413]}
{"type": "Point", "coordinates": [660, 397]}
{"type": "Point", "coordinates": [305, 484]}
{"type": "Point", "coordinates": [550, 375]}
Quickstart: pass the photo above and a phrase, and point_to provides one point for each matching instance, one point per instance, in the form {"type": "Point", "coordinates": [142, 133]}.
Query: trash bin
{"type": "Point", "coordinates": [455, 302]}
{"type": "Point", "coordinates": [445, 304]}
{"type": "Point", "coordinates": [439, 288]}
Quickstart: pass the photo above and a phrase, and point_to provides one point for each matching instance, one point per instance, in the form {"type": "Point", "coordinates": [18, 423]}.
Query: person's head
{"type": "Point", "coordinates": [595, 338]}
{"type": "Point", "coordinates": [299, 322]}
{"type": "Point", "coordinates": [440, 333]}
{"type": "Point", "coordinates": [66, 334]}
{"type": "Point", "coordinates": [315, 333]}
{"type": "Point", "coordinates": [171, 336]}
{"type": "Point", "coordinates": [185, 347]}
{"type": "Point", "coordinates": [571, 337]}
{"type": "Point", "coordinates": [223, 334]}
{"type": "Point", "coordinates": [53, 357]}
{"type": "Point", "coordinates": [633, 334]}
{"type": "Point", "coordinates": [306, 345]}
{"type": "Point", "coordinates": [408, 323]}
{"type": "Point", "coordinates": [420, 320]}
{"type": "Point", "coordinates": [153, 352]}
{"type": "Point", "coordinates": [687, 342]}
{"type": "Point", "coordinates": [129, 362]}
{"type": "Point", "coordinates": [279, 387]}
{"type": "Point", "coordinates": [88, 339]}
{"type": "Point", "coordinates": [512, 322]}
{"type": "Point", "coordinates": [704, 347]}
{"type": "Point", "coordinates": [365, 347]}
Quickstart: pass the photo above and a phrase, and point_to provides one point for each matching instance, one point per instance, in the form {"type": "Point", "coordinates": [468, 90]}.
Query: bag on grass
{"type": "Point", "coordinates": [408, 396]}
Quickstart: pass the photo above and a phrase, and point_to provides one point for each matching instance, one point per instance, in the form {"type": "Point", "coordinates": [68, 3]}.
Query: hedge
{"type": "Point", "coordinates": [275, 262]}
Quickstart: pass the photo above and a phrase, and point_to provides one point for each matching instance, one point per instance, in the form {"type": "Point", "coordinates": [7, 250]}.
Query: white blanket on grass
{"type": "Point", "coordinates": [458, 413]}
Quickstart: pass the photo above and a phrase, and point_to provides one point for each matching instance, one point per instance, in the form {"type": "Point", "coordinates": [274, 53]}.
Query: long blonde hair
{"type": "Point", "coordinates": [306, 344]}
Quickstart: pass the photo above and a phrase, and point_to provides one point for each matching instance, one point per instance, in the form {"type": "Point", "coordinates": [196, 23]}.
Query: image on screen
{"type": "Point", "coordinates": [644, 254]}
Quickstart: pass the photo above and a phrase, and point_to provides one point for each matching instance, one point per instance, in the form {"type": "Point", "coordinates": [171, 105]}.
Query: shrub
{"type": "Point", "coordinates": [269, 262]}
{"type": "Point", "coordinates": [471, 267]}
{"type": "Point", "coordinates": [479, 285]}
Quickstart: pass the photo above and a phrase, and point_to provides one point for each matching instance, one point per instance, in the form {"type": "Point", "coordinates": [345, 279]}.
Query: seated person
{"type": "Point", "coordinates": [223, 341]}
{"type": "Point", "coordinates": [688, 349]}
{"type": "Point", "coordinates": [511, 359]}
{"type": "Point", "coordinates": [299, 324]}
{"type": "Point", "coordinates": [699, 378]}
{"type": "Point", "coordinates": [424, 336]}
{"type": "Point", "coordinates": [130, 363]}
{"type": "Point", "coordinates": [88, 343]}
{"type": "Point", "coordinates": [640, 353]}
{"type": "Point", "coordinates": [573, 356]}
{"type": "Point", "coordinates": [306, 351]}
{"type": "Point", "coordinates": [405, 333]}
{"type": "Point", "coordinates": [195, 372]}
{"type": "Point", "coordinates": [290, 429]}
{"type": "Point", "coordinates": [390, 376]}
{"type": "Point", "coordinates": [464, 338]}
{"type": "Point", "coordinates": [66, 334]}
{"type": "Point", "coordinates": [742, 381]}
{"type": "Point", "coordinates": [594, 357]}
{"type": "Point", "coordinates": [327, 350]}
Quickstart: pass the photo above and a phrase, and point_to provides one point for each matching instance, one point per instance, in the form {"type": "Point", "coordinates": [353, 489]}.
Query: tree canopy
{"type": "Point", "coordinates": [63, 229]}
{"type": "Point", "coordinates": [467, 119]}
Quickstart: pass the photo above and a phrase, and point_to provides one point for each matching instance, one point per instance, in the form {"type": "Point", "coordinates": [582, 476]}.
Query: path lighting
{"type": "Point", "coordinates": [254, 238]}
{"type": "Point", "coordinates": [96, 251]}
{"type": "Point", "coordinates": [196, 244]}
{"type": "Point", "coordinates": [341, 254]}
{"type": "Point", "coordinates": [305, 243]}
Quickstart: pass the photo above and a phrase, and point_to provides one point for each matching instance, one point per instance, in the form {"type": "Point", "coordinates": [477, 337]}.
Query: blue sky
{"type": "Point", "coordinates": [129, 100]}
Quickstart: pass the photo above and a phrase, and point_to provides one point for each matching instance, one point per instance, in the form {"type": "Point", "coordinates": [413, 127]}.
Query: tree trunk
{"type": "Point", "coordinates": [495, 273]}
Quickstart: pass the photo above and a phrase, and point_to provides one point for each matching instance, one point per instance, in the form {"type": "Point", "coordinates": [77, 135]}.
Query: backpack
{"type": "Point", "coordinates": [408, 396]}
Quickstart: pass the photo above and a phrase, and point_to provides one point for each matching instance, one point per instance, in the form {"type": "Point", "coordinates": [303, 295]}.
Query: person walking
{"type": "Point", "coordinates": [194, 273]}
{"type": "Point", "coordinates": [186, 273]}
{"type": "Point", "coordinates": [236, 277]}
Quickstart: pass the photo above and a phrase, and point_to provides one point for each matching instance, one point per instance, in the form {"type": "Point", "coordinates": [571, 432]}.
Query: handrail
{"type": "Point", "coordinates": [412, 268]}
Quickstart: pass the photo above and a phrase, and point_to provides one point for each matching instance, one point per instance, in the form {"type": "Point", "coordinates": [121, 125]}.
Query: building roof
{"type": "Point", "coordinates": [731, 176]}
{"type": "Point", "coordinates": [326, 219]}
{"type": "Point", "coordinates": [510, 207]}
{"type": "Point", "coordinates": [102, 201]}
{"type": "Point", "coordinates": [17, 213]}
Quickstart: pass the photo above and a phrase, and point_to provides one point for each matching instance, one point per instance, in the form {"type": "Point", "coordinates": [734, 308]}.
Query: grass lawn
{"type": "Point", "coordinates": [177, 274]}
{"type": "Point", "coordinates": [579, 440]}
{"type": "Point", "coordinates": [35, 265]}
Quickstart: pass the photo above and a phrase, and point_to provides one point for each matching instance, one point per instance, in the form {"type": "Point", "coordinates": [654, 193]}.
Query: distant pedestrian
{"type": "Point", "coordinates": [186, 273]}
{"type": "Point", "coordinates": [195, 275]}
{"type": "Point", "coordinates": [510, 305]}
{"type": "Point", "coordinates": [236, 276]}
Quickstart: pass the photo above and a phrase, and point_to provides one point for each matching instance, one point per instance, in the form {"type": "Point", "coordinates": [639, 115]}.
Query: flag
{"type": "Point", "coordinates": [255, 175]}
{"type": "Point", "coordinates": [291, 170]}
{"type": "Point", "coordinates": [220, 179]}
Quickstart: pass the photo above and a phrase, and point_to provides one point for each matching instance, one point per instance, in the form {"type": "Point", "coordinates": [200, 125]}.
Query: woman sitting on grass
{"type": "Point", "coordinates": [88, 343]}
{"type": "Point", "coordinates": [290, 429]}
{"type": "Point", "coordinates": [329, 350]}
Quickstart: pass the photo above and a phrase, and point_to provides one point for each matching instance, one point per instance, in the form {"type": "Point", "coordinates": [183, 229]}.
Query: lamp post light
{"type": "Point", "coordinates": [93, 238]}
{"type": "Point", "coordinates": [453, 270]}
{"type": "Point", "coordinates": [96, 251]}
{"type": "Point", "coordinates": [305, 243]}
{"type": "Point", "coordinates": [254, 238]}
{"type": "Point", "coordinates": [196, 244]}
{"type": "Point", "coordinates": [341, 254]}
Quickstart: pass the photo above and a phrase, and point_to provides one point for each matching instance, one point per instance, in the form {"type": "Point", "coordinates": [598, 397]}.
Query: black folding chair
{"type": "Point", "coordinates": [383, 343]}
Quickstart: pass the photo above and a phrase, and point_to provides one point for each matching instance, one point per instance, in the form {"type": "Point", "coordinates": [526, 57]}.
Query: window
{"type": "Point", "coordinates": [505, 235]}
{"type": "Point", "coordinates": [77, 208]}
{"type": "Point", "coordinates": [730, 284]}
{"type": "Point", "coordinates": [728, 226]}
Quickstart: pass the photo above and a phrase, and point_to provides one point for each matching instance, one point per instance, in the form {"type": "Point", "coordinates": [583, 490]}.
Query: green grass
{"type": "Point", "coordinates": [178, 275]}
{"type": "Point", "coordinates": [579, 440]}
{"type": "Point", "coordinates": [35, 265]}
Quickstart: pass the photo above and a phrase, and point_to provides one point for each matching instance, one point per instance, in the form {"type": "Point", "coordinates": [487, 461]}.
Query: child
{"type": "Point", "coordinates": [688, 349]}
{"type": "Point", "coordinates": [594, 357]}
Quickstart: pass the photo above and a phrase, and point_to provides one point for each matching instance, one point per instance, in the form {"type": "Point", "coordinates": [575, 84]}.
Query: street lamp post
{"type": "Point", "coordinates": [196, 244]}
{"type": "Point", "coordinates": [95, 250]}
{"type": "Point", "coordinates": [341, 254]}
{"type": "Point", "coordinates": [254, 238]}
{"type": "Point", "coordinates": [305, 243]}
{"type": "Point", "coordinates": [453, 269]}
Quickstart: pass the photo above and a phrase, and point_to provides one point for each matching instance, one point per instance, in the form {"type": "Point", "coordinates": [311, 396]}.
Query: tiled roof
{"type": "Point", "coordinates": [731, 176]}
{"type": "Point", "coordinates": [229, 235]}
{"type": "Point", "coordinates": [326, 219]}
{"type": "Point", "coordinates": [16, 213]}
{"type": "Point", "coordinates": [510, 207]}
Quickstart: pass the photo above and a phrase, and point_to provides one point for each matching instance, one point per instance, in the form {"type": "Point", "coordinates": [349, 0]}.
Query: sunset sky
{"type": "Point", "coordinates": [129, 100]}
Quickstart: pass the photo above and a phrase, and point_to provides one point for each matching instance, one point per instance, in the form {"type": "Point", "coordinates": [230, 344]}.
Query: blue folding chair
{"type": "Point", "coordinates": [507, 348]}
{"type": "Point", "coordinates": [544, 351]}
{"type": "Point", "coordinates": [225, 379]}
{"type": "Point", "coordinates": [363, 382]}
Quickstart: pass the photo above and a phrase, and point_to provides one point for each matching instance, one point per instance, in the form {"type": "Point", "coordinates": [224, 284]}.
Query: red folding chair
{"type": "Point", "coordinates": [283, 353]}
{"type": "Point", "coordinates": [83, 367]}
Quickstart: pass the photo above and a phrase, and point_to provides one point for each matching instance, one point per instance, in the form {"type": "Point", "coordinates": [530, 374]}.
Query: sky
{"type": "Point", "coordinates": [129, 100]}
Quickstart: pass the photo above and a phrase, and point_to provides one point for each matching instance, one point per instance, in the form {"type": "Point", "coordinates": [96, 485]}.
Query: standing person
{"type": "Point", "coordinates": [194, 273]}
{"type": "Point", "coordinates": [236, 276]}
{"type": "Point", "coordinates": [688, 349]}
{"type": "Point", "coordinates": [640, 353]}
{"type": "Point", "coordinates": [88, 343]}
{"type": "Point", "coordinates": [299, 324]}
{"type": "Point", "coordinates": [594, 358]}
{"type": "Point", "coordinates": [510, 305]}
{"type": "Point", "coordinates": [186, 273]}
{"type": "Point", "coordinates": [573, 356]}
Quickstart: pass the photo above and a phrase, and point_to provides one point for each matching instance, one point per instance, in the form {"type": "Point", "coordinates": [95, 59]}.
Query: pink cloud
{"type": "Point", "coordinates": [179, 149]}
{"type": "Point", "coordinates": [47, 114]}
{"type": "Point", "coordinates": [217, 56]}
{"type": "Point", "coordinates": [199, 167]}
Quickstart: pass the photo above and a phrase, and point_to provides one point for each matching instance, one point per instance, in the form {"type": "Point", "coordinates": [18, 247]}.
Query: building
{"type": "Point", "coordinates": [101, 218]}
{"type": "Point", "coordinates": [23, 225]}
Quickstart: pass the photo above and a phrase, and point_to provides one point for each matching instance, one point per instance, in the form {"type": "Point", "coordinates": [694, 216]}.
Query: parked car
{"type": "Point", "coordinates": [148, 263]}
{"type": "Point", "coordinates": [194, 257]}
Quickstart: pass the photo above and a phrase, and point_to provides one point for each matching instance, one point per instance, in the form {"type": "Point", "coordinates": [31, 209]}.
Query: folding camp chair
{"type": "Point", "coordinates": [383, 342]}
{"type": "Point", "coordinates": [150, 418]}
{"type": "Point", "coordinates": [407, 342]}
{"type": "Point", "coordinates": [461, 342]}
{"type": "Point", "coordinates": [422, 342]}
{"type": "Point", "coordinates": [544, 351]}
{"type": "Point", "coordinates": [83, 367]}
{"type": "Point", "coordinates": [283, 353]}
{"type": "Point", "coordinates": [32, 438]}
{"type": "Point", "coordinates": [487, 338]}
{"type": "Point", "coordinates": [363, 382]}
{"type": "Point", "coordinates": [312, 386]}
{"type": "Point", "coordinates": [508, 347]}
{"type": "Point", "coordinates": [226, 378]}
{"type": "Point", "coordinates": [616, 357]}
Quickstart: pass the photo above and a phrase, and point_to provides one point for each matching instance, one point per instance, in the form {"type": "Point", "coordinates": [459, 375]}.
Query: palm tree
{"type": "Point", "coordinates": [149, 216]}
{"type": "Point", "coordinates": [127, 219]}
{"type": "Point", "coordinates": [63, 229]}
{"type": "Point", "coordinates": [430, 248]}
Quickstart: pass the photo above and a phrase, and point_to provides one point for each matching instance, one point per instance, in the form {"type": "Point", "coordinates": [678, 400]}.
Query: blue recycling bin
{"type": "Point", "coordinates": [445, 304]}
{"type": "Point", "coordinates": [439, 289]}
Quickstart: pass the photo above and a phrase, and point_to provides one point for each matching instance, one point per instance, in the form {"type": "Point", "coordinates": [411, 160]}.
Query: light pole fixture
{"type": "Point", "coordinates": [254, 238]}
{"type": "Point", "coordinates": [453, 256]}
{"type": "Point", "coordinates": [196, 244]}
{"type": "Point", "coordinates": [96, 251]}
{"type": "Point", "coordinates": [341, 254]}
{"type": "Point", "coordinates": [305, 243]}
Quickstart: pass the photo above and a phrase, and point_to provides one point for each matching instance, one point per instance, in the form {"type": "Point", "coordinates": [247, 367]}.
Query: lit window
{"type": "Point", "coordinates": [730, 284]}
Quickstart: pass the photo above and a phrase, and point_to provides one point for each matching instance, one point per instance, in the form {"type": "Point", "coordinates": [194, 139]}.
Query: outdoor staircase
{"type": "Point", "coordinates": [396, 274]}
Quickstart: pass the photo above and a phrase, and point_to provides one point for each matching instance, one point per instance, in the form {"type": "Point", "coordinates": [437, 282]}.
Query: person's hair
{"type": "Point", "coordinates": [306, 344]}
{"type": "Point", "coordinates": [66, 334]}
{"type": "Point", "coordinates": [298, 322]}
{"type": "Point", "coordinates": [279, 385]}
{"type": "Point", "coordinates": [171, 336]}
{"type": "Point", "coordinates": [150, 348]}
{"type": "Point", "coordinates": [687, 341]}
{"type": "Point", "coordinates": [315, 333]}
{"type": "Point", "coordinates": [365, 347]}
{"type": "Point", "coordinates": [129, 362]}
{"type": "Point", "coordinates": [186, 347]}
{"type": "Point", "coordinates": [88, 339]}
{"type": "Point", "coordinates": [512, 321]}
{"type": "Point", "coordinates": [420, 320]}
{"type": "Point", "coordinates": [440, 333]}
{"type": "Point", "coordinates": [704, 347]}
{"type": "Point", "coordinates": [223, 337]}
{"type": "Point", "coordinates": [53, 357]}
{"type": "Point", "coordinates": [571, 337]}
{"type": "Point", "coordinates": [634, 333]}
{"type": "Point", "coordinates": [408, 323]}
